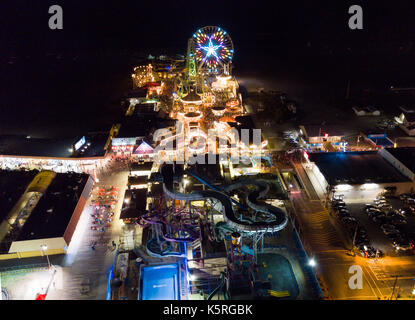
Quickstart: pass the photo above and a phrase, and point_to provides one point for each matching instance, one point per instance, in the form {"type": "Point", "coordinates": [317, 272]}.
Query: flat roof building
{"type": "Point", "coordinates": [53, 218]}
{"type": "Point", "coordinates": [316, 134]}
{"type": "Point", "coordinates": [356, 167]}
{"type": "Point", "coordinates": [356, 174]}
{"type": "Point", "coordinates": [26, 146]}
{"type": "Point", "coordinates": [135, 204]}
{"type": "Point", "coordinates": [403, 159]}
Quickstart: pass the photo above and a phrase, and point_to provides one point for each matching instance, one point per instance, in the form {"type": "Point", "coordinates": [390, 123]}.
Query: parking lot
{"type": "Point", "coordinates": [381, 226]}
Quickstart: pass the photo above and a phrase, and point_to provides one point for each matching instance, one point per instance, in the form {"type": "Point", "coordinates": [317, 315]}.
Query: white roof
{"type": "Point", "coordinates": [34, 245]}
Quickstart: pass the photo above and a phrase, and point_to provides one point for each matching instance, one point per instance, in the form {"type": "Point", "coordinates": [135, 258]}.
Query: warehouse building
{"type": "Point", "coordinates": [45, 217]}
{"type": "Point", "coordinates": [401, 158]}
{"type": "Point", "coordinates": [357, 175]}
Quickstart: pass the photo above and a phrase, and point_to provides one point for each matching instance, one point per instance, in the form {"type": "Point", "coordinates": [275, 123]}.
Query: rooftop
{"type": "Point", "coordinates": [141, 126]}
{"type": "Point", "coordinates": [24, 146]}
{"type": "Point", "coordinates": [134, 205]}
{"type": "Point", "coordinates": [12, 186]}
{"type": "Point", "coordinates": [156, 190]}
{"type": "Point", "coordinates": [382, 141]}
{"type": "Point", "coordinates": [409, 116]}
{"type": "Point", "coordinates": [15, 145]}
{"type": "Point", "coordinates": [144, 109]}
{"type": "Point", "coordinates": [136, 93]}
{"type": "Point", "coordinates": [137, 180]}
{"type": "Point", "coordinates": [192, 97]}
{"type": "Point", "coordinates": [51, 216]}
{"type": "Point", "coordinates": [246, 123]}
{"type": "Point", "coordinates": [210, 172]}
{"type": "Point", "coordinates": [356, 168]}
{"type": "Point", "coordinates": [243, 122]}
{"type": "Point", "coordinates": [321, 130]}
{"type": "Point", "coordinates": [141, 166]}
{"type": "Point", "coordinates": [405, 155]}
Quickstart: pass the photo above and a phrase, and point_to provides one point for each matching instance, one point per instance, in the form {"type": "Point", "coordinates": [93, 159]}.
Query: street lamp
{"type": "Point", "coordinates": [44, 247]}
{"type": "Point", "coordinates": [312, 262]}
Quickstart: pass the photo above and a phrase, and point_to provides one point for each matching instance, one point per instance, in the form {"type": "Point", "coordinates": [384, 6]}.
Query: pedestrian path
{"type": "Point", "coordinates": [311, 192]}
{"type": "Point", "coordinates": [316, 226]}
{"type": "Point", "coordinates": [85, 278]}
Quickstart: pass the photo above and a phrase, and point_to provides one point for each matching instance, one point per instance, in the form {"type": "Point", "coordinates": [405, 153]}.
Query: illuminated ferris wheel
{"type": "Point", "coordinates": [213, 49]}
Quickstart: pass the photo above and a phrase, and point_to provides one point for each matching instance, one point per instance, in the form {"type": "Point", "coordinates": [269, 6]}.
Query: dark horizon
{"type": "Point", "coordinates": [100, 25]}
{"type": "Point", "coordinates": [71, 80]}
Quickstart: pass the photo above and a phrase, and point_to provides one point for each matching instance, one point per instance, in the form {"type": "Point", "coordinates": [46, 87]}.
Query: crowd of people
{"type": "Point", "coordinates": [103, 202]}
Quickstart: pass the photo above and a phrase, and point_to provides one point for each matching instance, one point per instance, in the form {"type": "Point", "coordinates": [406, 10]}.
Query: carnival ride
{"type": "Point", "coordinates": [206, 101]}
{"type": "Point", "coordinates": [213, 49]}
{"type": "Point", "coordinates": [174, 224]}
{"type": "Point", "coordinates": [180, 224]}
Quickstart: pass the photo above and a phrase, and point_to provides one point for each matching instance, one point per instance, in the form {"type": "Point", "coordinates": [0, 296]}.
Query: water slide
{"type": "Point", "coordinates": [161, 246]}
{"type": "Point", "coordinates": [277, 218]}
{"type": "Point", "coordinates": [214, 188]}
{"type": "Point", "coordinates": [161, 249]}
{"type": "Point", "coordinates": [220, 287]}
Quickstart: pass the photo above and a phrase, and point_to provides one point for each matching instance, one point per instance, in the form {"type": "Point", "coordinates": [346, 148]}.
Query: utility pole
{"type": "Point", "coordinates": [394, 286]}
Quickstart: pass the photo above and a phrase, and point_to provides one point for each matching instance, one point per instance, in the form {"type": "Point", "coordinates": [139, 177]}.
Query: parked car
{"type": "Point", "coordinates": [403, 196]}
{"type": "Point", "coordinates": [406, 210]}
{"type": "Point", "coordinates": [388, 228]}
{"type": "Point", "coordinates": [340, 207]}
{"type": "Point", "coordinates": [399, 220]}
{"type": "Point", "coordinates": [381, 202]}
{"type": "Point", "coordinates": [374, 213]}
{"type": "Point", "coordinates": [402, 245]}
{"type": "Point", "coordinates": [395, 236]}
{"type": "Point", "coordinates": [381, 219]}
{"type": "Point", "coordinates": [349, 220]}
{"type": "Point", "coordinates": [384, 206]}
{"type": "Point", "coordinates": [361, 241]}
{"type": "Point", "coordinates": [370, 252]}
{"type": "Point", "coordinates": [342, 215]}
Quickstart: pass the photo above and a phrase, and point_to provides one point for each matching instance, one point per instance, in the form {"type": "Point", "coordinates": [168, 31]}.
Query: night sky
{"type": "Point", "coordinates": [63, 82]}
{"type": "Point", "coordinates": [135, 24]}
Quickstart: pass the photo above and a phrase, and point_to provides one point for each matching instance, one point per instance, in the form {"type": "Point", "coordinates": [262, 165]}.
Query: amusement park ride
{"type": "Point", "coordinates": [191, 226]}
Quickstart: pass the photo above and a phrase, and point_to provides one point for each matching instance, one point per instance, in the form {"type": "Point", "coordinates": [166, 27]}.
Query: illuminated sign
{"type": "Point", "coordinates": [123, 141]}
{"type": "Point", "coordinates": [80, 143]}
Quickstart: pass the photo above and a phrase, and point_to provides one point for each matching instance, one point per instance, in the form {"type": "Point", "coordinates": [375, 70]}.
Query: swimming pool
{"type": "Point", "coordinates": [160, 282]}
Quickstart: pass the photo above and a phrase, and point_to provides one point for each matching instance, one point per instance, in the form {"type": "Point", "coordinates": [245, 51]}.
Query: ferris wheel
{"type": "Point", "coordinates": [213, 48]}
